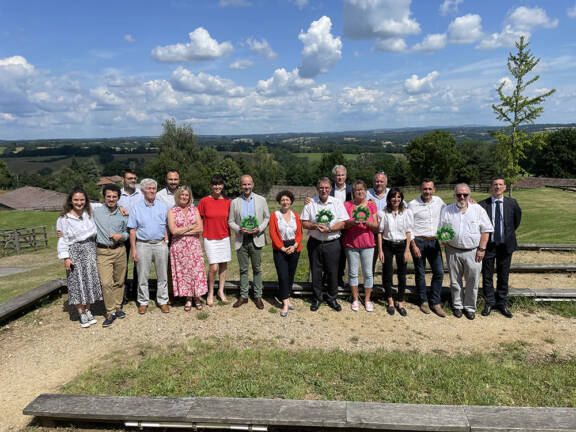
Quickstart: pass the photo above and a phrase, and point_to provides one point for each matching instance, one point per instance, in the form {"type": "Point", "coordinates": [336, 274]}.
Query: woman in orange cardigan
{"type": "Point", "coordinates": [286, 235]}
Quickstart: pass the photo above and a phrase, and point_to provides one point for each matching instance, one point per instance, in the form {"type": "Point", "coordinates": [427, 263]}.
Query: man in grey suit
{"type": "Point", "coordinates": [505, 215]}
{"type": "Point", "coordinates": [249, 242]}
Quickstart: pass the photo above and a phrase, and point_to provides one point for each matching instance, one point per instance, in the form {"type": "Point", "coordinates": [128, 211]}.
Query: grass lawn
{"type": "Point", "coordinates": [222, 370]}
{"type": "Point", "coordinates": [317, 157]}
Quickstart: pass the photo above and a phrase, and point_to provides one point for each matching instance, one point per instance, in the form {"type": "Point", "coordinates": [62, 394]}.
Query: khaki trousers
{"type": "Point", "coordinates": [112, 271]}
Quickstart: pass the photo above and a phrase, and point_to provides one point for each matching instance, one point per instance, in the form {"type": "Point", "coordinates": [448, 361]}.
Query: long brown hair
{"type": "Point", "coordinates": [68, 204]}
{"type": "Point", "coordinates": [391, 193]}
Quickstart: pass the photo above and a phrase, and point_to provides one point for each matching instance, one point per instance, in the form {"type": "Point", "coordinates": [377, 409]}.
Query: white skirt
{"type": "Point", "coordinates": [218, 251]}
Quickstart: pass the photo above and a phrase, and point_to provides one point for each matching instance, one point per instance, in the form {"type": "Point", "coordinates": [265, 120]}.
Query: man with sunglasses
{"type": "Point", "coordinates": [465, 251]}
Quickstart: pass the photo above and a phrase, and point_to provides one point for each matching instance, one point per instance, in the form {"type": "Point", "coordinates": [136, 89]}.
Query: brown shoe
{"type": "Point", "coordinates": [439, 311]}
{"type": "Point", "coordinates": [165, 308]}
{"type": "Point", "coordinates": [259, 302]}
{"type": "Point", "coordinates": [425, 308]}
{"type": "Point", "coordinates": [142, 309]}
{"type": "Point", "coordinates": [241, 301]}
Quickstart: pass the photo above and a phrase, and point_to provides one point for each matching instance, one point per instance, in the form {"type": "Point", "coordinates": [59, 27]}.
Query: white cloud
{"type": "Point", "coordinates": [186, 81]}
{"type": "Point", "coordinates": [431, 43]}
{"type": "Point", "coordinates": [390, 45]}
{"type": "Point", "coordinates": [571, 12]}
{"type": "Point", "coordinates": [385, 21]}
{"type": "Point", "coordinates": [300, 3]}
{"type": "Point", "coordinates": [201, 47]}
{"type": "Point", "coordinates": [507, 85]}
{"type": "Point", "coordinates": [6, 117]}
{"type": "Point", "coordinates": [449, 7]}
{"type": "Point", "coordinates": [360, 95]}
{"type": "Point", "coordinates": [129, 38]}
{"type": "Point", "coordinates": [414, 85]}
{"type": "Point", "coordinates": [105, 98]}
{"type": "Point", "coordinates": [234, 3]}
{"type": "Point", "coordinates": [520, 22]}
{"type": "Point", "coordinates": [283, 83]}
{"type": "Point", "coordinates": [241, 64]}
{"type": "Point", "coordinates": [466, 29]}
{"type": "Point", "coordinates": [321, 50]}
{"type": "Point", "coordinates": [262, 48]}
{"type": "Point", "coordinates": [15, 67]}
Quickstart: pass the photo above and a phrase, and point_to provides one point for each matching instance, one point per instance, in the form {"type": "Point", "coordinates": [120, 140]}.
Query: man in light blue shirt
{"type": "Point", "coordinates": [149, 242]}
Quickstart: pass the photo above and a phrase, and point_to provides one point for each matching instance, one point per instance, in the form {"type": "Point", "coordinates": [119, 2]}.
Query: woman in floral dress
{"type": "Point", "coordinates": [187, 261]}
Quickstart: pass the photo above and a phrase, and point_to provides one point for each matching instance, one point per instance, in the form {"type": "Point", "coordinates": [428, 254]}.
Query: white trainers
{"type": "Point", "coordinates": [84, 322]}
{"type": "Point", "coordinates": [369, 306]}
{"type": "Point", "coordinates": [91, 319]}
{"type": "Point", "coordinates": [355, 305]}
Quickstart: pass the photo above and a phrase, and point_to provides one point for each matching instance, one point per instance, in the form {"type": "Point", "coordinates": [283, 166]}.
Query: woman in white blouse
{"type": "Point", "coordinates": [77, 247]}
{"type": "Point", "coordinates": [394, 241]}
{"type": "Point", "coordinates": [286, 235]}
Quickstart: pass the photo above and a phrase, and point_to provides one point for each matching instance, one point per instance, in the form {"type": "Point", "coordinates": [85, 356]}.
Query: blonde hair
{"type": "Point", "coordinates": [179, 192]}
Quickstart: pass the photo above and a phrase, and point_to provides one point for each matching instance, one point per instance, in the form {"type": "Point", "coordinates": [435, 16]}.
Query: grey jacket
{"type": "Point", "coordinates": [262, 214]}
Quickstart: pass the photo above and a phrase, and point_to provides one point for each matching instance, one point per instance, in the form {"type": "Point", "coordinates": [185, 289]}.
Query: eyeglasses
{"type": "Point", "coordinates": [461, 195]}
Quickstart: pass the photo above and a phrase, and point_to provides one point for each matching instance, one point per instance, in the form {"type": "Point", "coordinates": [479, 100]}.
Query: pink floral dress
{"type": "Point", "coordinates": [186, 259]}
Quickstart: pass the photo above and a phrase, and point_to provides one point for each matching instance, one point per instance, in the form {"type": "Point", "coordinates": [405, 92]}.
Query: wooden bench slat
{"type": "Point", "coordinates": [22, 301]}
{"type": "Point", "coordinates": [514, 419]}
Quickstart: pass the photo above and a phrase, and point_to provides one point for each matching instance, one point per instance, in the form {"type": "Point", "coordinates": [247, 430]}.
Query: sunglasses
{"type": "Point", "coordinates": [461, 195]}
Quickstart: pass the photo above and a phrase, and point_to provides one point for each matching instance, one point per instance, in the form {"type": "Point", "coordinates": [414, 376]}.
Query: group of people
{"type": "Point", "coordinates": [346, 224]}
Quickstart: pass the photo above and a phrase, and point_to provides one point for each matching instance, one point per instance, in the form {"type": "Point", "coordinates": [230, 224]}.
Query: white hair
{"type": "Point", "coordinates": [148, 181]}
{"type": "Point", "coordinates": [339, 167]}
{"type": "Point", "coordinates": [461, 185]}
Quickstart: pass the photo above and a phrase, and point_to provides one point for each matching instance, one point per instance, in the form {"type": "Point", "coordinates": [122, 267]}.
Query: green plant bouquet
{"type": "Point", "coordinates": [445, 234]}
{"type": "Point", "coordinates": [361, 213]}
{"type": "Point", "coordinates": [249, 223]}
{"type": "Point", "coordinates": [324, 216]}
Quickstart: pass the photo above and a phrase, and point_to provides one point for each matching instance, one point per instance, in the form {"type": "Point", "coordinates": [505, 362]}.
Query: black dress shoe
{"type": "Point", "coordinates": [470, 315]}
{"type": "Point", "coordinates": [457, 313]}
{"type": "Point", "coordinates": [334, 305]}
{"type": "Point", "coordinates": [487, 310]}
{"type": "Point", "coordinates": [505, 311]}
{"type": "Point", "coordinates": [315, 305]}
{"type": "Point", "coordinates": [390, 310]}
{"type": "Point", "coordinates": [402, 311]}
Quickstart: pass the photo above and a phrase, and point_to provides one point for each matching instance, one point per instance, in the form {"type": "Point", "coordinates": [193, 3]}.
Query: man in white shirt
{"type": "Point", "coordinates": [426, 211]}
{"type": "Point", "coordinates": [465, 252]}
{"type": "Point", "coordinates": [166, 195]}
{"type": "Point", "coordinates": [324, 218]}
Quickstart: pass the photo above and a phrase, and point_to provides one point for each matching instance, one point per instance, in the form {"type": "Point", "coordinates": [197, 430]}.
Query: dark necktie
{"type": "Point", "coordinates": [498, 223]}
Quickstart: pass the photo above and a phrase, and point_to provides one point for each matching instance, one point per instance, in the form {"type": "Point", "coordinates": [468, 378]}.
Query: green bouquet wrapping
{"type": "Point", "coordinates": [249, 223]}
{"type": "Point", "coordinates": [324, 216]}
{"type": "Point", "coordinates": [445, 234]}
{"type": "Point", "coordinates": [361, 213]}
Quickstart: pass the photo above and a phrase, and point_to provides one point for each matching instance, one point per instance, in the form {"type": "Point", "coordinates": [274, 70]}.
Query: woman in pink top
{"type": "Point", "coordinates": [359, 243]}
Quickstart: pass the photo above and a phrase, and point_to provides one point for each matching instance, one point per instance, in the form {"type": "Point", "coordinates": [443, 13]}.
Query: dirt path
{"type": "Point", "coordinates": [44, 349]}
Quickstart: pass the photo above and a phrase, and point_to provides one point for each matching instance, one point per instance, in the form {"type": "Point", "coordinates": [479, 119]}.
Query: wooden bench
{"type": "Point", "coordinates": [258, 414]}
{"type": "Point", "coordinates": [29, 298]}
{"type": "Point", "coordinates": [545, 246]}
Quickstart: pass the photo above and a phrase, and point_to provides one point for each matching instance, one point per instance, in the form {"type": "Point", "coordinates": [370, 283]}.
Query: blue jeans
{"type": "Point", "coordinates": [429, 250]}
{"type": "Point", "coordinates": [365, 256]}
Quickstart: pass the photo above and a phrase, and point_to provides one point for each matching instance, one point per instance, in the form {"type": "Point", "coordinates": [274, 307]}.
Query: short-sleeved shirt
{"type": "Point", "coordinates": [214, 214]}
{"type": "Point", "coordinates": [334, 205]}
{"type": "Point", "coordinates": [359, 236]}
{"type": "Point", "coordinates": [127, 201]}
{"type": "Point", "coordinates": [149, 220]}
{"type": "Point", "coordinates": [395, 226]}
{"type": "Point", "coordinates": [468, 225]}
{"type": "Point", "coordinates": [166, 197]}
{"type": "Point", "coordinates": [426, 216]}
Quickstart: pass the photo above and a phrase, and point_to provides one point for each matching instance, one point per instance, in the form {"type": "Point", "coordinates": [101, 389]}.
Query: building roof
{"type": "Point", "coordinates": [109, 180]}
{"type": "Point", "coordinates": [32, 198]}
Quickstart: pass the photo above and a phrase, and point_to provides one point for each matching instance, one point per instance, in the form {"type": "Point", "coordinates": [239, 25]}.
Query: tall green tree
{"type": "Point", "coordinates": [434, 156]}
{"type": "Point", "coordinates": [518, 109]}
{"type": "Point", "coordinates": [6, 176]}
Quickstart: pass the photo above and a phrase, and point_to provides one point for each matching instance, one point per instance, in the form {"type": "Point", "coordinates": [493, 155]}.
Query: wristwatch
{"type": "Point", "coordinates": [481, 249]}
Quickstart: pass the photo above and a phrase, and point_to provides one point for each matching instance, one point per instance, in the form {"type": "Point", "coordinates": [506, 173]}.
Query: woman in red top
{"type": "Point", "coordinates": [286, 236]}
{"type": "Point", "coordinates": [214, 210]}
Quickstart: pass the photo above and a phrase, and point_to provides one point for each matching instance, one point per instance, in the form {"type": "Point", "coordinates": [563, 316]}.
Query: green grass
{"type": "Point", "coordinates": [223, 370]}
{"type": "Point", "coordinates": [22, 219]}
{"type": "Point", "coordinates": [317, 157]}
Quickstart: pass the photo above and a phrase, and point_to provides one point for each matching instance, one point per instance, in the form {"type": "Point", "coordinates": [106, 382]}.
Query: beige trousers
{"type": "Point", "coordinates": [112, 271]}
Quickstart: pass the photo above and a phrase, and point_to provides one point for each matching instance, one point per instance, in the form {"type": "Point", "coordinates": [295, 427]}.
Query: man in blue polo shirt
{"type": "Point", "coordinates": [149, 242]}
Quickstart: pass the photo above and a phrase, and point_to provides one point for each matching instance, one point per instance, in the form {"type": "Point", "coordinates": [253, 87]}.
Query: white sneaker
{"type": "Point", "coordinates": [91, 319]}
{"type": "Point", "coordinates": [369, 306]}
{"type": "Point", "coordinates": [355, 305]}
{"type": "Point", "coordinates": [84, 322]}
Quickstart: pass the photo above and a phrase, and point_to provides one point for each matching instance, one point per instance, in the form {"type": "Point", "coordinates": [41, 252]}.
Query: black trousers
{"type": "Point", "coordinates": [286, 268]}
{"type": "Point", "coordinates": [324, 258]}
{"type": "Point", "coordinates": [392, 250]}
{"type": "Point", "coordinates": [130, 289]}
{"type": "Point", "coordinates": [496, 254]}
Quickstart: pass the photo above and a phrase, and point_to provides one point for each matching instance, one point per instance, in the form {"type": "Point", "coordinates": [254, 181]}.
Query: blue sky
{"type": "Point", "coordinates": [73, 69]}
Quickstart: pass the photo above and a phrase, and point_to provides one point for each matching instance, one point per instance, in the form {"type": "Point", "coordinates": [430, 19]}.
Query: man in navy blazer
{"type": "Point", "coordinates": [342, 191]}
{"type": "Point", "coordinates": [505, 214]}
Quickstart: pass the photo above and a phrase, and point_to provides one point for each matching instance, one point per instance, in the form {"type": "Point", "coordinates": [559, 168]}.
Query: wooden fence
{"type": "Point", "coordinates": [14, 241]}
